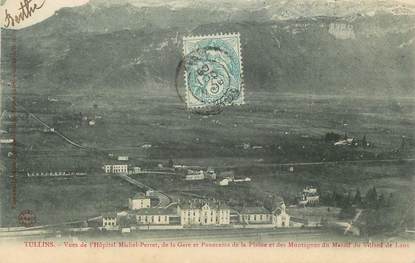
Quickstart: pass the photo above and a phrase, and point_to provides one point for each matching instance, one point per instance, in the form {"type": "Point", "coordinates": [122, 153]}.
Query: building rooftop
{"type": "Point", "coordinates": [254, 210]}
{"type": "Point", "coordinates": [140, 195]}
{"type": "Point", "coordinates": [109, 214]}
{"type": "Point", "coordinates": [199, 203]}
{"type": "Point", "coordinates": [116, 162]}
{"type": "Point", "coordinates": [155, 211]}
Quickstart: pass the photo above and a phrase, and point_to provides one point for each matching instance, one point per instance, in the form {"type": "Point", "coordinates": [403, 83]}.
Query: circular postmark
{"type": "Point", "coordinates": [27, 218]}
{"type": "Point", "coordinates": [212, 76]}
{"type": "Point", "coordinates": [181, 92]}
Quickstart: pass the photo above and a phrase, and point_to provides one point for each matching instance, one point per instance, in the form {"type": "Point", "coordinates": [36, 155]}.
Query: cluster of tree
{"type": "Point", "coordinates": [392, 215]}
{"type": "Point", "coordinates": [332, 137]}
{"type": "Point", "coordinates": [371, 200]}
{"type": "Point", "coordinates": [170, 164]}
{"type": "Point", "coordinates": [380, 213]}
{"type": "Point", "coordinates": [348, 202]}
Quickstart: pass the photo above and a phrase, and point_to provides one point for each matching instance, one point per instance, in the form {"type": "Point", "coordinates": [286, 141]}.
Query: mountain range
{"type": "Point", "coordinates": [291, 46]}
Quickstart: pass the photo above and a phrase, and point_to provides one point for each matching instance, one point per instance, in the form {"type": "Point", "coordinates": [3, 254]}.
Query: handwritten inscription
{"type": "Point", "coordinates": [26, 9]}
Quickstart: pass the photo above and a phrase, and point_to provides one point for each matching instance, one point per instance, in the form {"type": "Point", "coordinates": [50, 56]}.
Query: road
{"type": "Point", "coordinates": [308, 163]}
{"type": "Point", "coordinates": [227, 234]}
{"type": "Point", "coordinates": [157, 172]}
{"type": "Point", "coordinates": [42, 230]}
{"type": "Point", "coordinates": [67, 139]}
{"type": "Point", "coordinates": [348, 227]}
{"type": "Point", "coordinates": [211, 234]}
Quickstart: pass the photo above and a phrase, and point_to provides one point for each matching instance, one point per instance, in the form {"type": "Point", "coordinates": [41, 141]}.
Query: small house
{"type": "Point", "coordinates": [109, 220]}
{"type": "Point", "coordinates": [122, 158]}
{"type": "Point", "coordinates": [139, 201]}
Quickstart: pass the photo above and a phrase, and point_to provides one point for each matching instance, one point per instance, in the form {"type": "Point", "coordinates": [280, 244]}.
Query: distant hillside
{"type": "Point", "coordinates": [124, 47]}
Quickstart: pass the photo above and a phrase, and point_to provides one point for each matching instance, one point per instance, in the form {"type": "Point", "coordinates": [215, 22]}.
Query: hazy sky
{"type": "Point", "coordinates": [48, 9]}
{"type": "Point", "coordinates": [236, 2]}
{"type": "Point", "coordinates": [51, 6]}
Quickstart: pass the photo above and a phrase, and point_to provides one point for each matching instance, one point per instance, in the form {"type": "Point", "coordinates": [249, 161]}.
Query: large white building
{"type": "Point", "coordinates": [255, 215]}
{"type": "Point", "coordinates": [194, 175]}
{"type": "Point", "coordinates": [154, 216]}
{"type": "Point", "coordinates": [116, 168]}
{"type": "Point", "coordinates": [139, 201]}
{"type": "Point", "coordinates": [275, 215]}
{"type": "Point", "coordinates": [202, 212]}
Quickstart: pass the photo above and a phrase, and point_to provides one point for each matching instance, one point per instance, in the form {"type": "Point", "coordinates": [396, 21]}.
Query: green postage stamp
{"type": "Point", "coordinates": [213, 70]}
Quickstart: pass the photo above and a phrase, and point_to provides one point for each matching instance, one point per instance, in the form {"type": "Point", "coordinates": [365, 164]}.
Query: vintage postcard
{"type": "Point", "coordinates": [207, 131]}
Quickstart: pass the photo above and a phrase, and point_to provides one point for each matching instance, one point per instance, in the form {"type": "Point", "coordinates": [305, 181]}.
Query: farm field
{"type": "Point", "coordinates": [389, 178]}
{"type": "Point", "coordinates": [59, 200]}
{"type": "Point", "coordinates": [278, 128]}
{"type": "Point", "coordinates": [152, 129]}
